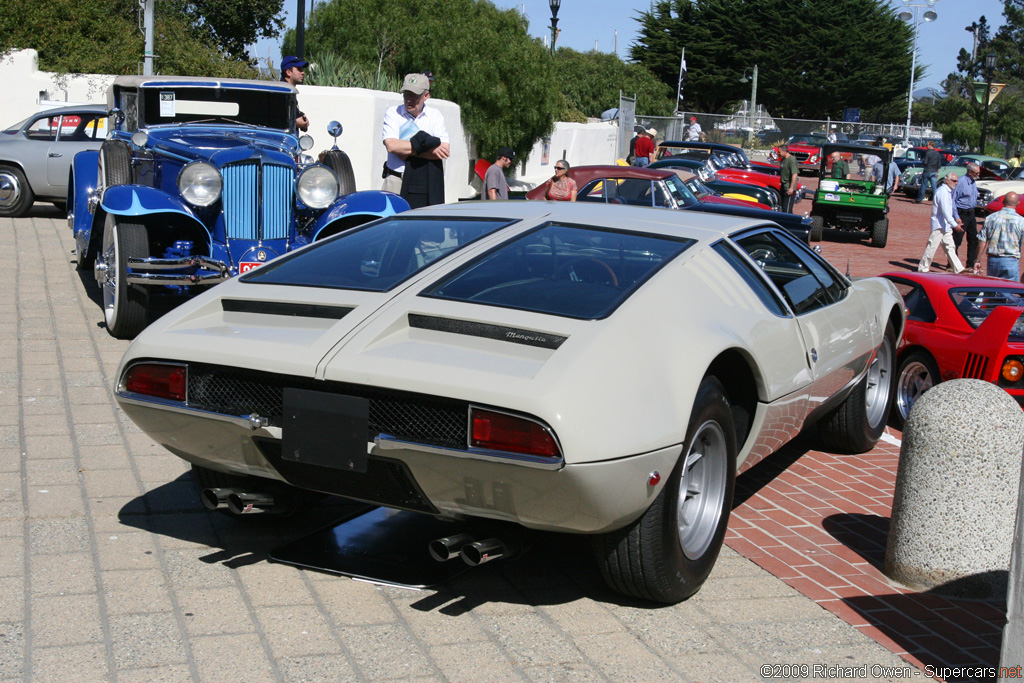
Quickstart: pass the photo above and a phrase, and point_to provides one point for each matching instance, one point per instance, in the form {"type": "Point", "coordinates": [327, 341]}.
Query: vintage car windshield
{"type": "Point", "coordinates": [264, 108]}
{"type": "Point", "coordinates": [680, 192]}
{"type": "Point", "coordinates": [377, 257]}
{"type": "Point", "coordinates": [975, 304]}
{"type": "Point", "coordinates": [569, 271]}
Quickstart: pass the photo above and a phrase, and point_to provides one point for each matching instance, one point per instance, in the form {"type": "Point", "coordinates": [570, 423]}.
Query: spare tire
{"type": "Point", "coordinates": [338, 161]}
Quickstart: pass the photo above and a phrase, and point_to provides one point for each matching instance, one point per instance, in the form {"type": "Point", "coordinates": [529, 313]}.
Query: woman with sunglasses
{"type": "Point", "coordinates": [561, 188]}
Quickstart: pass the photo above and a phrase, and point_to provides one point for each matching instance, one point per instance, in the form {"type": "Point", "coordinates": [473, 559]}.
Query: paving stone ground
{"type": "Point", "coordinates": [112, 570]}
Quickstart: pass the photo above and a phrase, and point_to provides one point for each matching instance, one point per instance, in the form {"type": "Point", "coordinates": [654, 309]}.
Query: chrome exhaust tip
{"type": "Point", "coordinates": [476, 554]}
{"type": "Point", "coordinates": [449, 547]}
{"type": "Point", "coordinates": [246, 503]}
{"type": "Point", "coordinates": [215, 499]}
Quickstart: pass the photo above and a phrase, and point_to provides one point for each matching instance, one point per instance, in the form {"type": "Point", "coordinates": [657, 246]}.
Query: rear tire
{"type": "Point", "coordinates": [880, 232]}
{"type": "Point", "coordinates": [16, 197]}
{"type": "Point", "coordinates": [817, 227]}
{"type": "Point", "coordinates": [668, 553]}
{"type": "Point", "coordinates": [917, 373]}
{"type": "Point", "coordinates": [338, 161]}
{"type": "Point", "coordinates": [857, 424]}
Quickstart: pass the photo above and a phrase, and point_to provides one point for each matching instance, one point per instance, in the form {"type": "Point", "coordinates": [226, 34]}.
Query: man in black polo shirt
{"type": "Point", "coordinates": [930, 172]}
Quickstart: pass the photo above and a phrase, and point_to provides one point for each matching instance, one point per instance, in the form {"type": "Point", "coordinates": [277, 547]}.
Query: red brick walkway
{"type": "Point", "coordinates": [819, 521]}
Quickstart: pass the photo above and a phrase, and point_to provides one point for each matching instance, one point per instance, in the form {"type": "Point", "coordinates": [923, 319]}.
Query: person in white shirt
{"type": "Point", "coordinates": [944, 222]}
{"type": "Point", "coordinates": [417, 142]}
{"type": "Point", "coordinates": [694, 133]}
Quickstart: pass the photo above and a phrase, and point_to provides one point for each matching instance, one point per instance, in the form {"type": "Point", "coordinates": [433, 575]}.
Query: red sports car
{"type": "Point", "coordinates": [958, 326]}
{"type": "Point", "coordinates": [806, 149]}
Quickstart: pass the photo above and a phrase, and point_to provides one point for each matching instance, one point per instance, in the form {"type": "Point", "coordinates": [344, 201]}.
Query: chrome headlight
{"type": "Point", "coordinates": [318, 187]}
{"type": "Point", "coordinates": [200, 183]}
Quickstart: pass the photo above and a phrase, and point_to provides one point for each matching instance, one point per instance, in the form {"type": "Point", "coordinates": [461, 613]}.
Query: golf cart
{"type": "Point", "coordinates": [845, 204]}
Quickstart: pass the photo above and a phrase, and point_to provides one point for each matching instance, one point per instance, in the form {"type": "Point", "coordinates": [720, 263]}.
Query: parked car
{"type": "Point", "coordinates": [992, 168]}
{"type": "Point", "coordinates": [36, 154]}
{"type": "Point", "coordinates": [851, 205]}
{"type": "Point", "coordinates": [994, 189]}
{"type": "Point", "coordinates": [203, 179]}
{"type": "Point", "coordinates": [727, 171]}
{"type": "Point", "coordinates": [709, 178]}
{"type": "Point", "coordinates": [734, 156]}
{"type": "Point", "coordinates": [571, 367]}
{"type": "Point", "coordinates": [806, 149]}
{"type": "Point", "coordinates": [914, 157]}
{"type": "Point", "coordinates": [661, 188]}
{"type": "Point", "coordinates": [958, 326]}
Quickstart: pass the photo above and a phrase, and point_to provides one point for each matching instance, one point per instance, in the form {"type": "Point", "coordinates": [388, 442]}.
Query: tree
{"type": "Point", "coordinates": [592, 81]}
{"type": "Point", "coordinates": [103, 36]}
{"type": "Point", "coordinates": [482, 57]}
{"type": "Point", "coordinates": [815, 58]}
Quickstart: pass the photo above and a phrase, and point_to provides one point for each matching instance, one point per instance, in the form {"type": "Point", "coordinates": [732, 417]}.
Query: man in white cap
{"type": "Point", "coordinates": [417, 142]}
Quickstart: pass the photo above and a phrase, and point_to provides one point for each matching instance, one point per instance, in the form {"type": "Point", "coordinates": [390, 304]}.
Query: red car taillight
{"type": "Point", "coordinates": [159, 380]}
{"type": "Point", "coordinates": [512, 434]}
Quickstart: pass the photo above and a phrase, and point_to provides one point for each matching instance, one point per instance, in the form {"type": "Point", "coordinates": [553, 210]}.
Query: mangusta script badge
{"type": "Point", "coordinates": [470, 328]}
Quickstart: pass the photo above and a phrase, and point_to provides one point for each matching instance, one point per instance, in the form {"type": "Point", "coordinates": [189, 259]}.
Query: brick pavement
{"type": "Point", "coordinates": [112, 570]}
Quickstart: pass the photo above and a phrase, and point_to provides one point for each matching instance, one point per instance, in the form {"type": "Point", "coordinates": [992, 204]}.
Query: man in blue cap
{"type": "Point", "coordinates": [293, 71]}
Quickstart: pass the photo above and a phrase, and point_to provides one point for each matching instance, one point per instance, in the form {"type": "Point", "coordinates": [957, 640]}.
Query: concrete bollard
{"type": "Point", "coordinates": [956, 491]}
{"type": "Point", "coordinates": [1013, 633]}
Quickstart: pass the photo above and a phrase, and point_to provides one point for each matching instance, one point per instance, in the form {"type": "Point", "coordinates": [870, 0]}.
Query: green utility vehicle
{"type": "Point", "coordinates": [850, 204]}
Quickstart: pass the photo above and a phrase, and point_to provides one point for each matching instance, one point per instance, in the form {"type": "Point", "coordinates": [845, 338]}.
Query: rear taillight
{"type": "Point", "coordinates": [159, 380]}
{"type": "Point", "coordinates": [511, 434]}
{"type": "Point", "coordinates": [1013, 370]}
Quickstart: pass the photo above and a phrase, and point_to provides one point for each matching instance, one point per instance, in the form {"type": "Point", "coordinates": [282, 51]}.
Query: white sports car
{"type": "Point", "coordinates": [579, 368]}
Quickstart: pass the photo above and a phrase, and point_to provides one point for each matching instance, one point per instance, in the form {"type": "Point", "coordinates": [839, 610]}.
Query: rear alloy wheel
{"type": "Point", "coordinates": [880, 232]}
{"type": "Point", "coordinates": [917, 374]}
{"type": "Point", "coordinates": [668, 553]}
{"type": "Point", "coordinates": [16, 197]}
{"type": "Point", "coordinates": [857, 424]}
{"type": "Point", "coordinates": [817, 227]}
{"type": "Point", "coordinates": [124, 304]}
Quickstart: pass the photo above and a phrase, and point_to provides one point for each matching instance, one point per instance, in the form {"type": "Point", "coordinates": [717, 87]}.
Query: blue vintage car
{"type": "Point", "coordinates": [199, 180]}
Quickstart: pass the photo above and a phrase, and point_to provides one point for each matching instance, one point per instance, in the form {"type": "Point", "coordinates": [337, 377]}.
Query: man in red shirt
{"type": "Point", "coordinates": [645, 148]}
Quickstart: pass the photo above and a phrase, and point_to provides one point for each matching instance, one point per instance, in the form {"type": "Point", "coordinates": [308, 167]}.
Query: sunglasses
{"type": "Point", "coordinates": [559, 168]}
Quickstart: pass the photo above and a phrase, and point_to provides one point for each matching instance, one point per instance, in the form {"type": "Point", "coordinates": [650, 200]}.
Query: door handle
{"type": "Point", "coordinates": [54, 154]}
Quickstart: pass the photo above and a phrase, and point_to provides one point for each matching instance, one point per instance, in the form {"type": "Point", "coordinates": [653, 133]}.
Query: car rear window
{"type": "Point", "coordinates": [975, 303]}
{"type": "Point", "coordinates": [570, 271]}
{"type": "Point", "coordinates": [376, 257]}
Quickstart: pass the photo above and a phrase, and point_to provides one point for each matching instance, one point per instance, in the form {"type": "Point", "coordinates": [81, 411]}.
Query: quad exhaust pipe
{"type": "Point", "coordinates": [473, 553]}
{"type": "Point", "coordinates": [243, 501]}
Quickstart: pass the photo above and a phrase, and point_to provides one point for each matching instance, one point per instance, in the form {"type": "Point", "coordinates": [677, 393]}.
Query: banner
{"type": "Point", "coordinates": [979, 91]}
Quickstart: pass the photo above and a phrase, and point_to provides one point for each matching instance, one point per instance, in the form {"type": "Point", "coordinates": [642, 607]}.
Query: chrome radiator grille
{"type": "Point", "coordinates": [258, 200]}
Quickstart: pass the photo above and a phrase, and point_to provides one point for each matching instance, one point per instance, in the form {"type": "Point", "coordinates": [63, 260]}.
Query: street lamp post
{"type": "Point", "coordinates": [752, 112]}
{"type": "Point", "coordinates": [554, 5]}
{"type": "Point", "coordinates": [906, 15]}
{"type": "Point", "coordinates": [990, 65]}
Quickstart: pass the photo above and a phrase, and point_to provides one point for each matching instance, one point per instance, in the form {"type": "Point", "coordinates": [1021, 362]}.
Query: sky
{"type": "Point", "coordinates": [587, 24]}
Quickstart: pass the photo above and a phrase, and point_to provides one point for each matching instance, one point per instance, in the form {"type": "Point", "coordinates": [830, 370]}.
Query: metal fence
{"type": "Point", "coordinates": [736, 129]}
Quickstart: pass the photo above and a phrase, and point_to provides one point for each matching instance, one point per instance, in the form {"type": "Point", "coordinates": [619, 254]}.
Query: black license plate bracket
{"type": "Point", "coordinates": [324, 429]}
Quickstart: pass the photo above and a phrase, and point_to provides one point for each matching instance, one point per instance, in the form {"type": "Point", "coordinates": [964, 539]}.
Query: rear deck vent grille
{"type": "Point", "coordinates": [470, 328]}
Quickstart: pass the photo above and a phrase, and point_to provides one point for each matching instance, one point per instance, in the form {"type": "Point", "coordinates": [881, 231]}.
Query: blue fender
{"type": "Point", "coordinates": [84, 174]}
{"type": "Point", "coordinates": [371, 203]}
{"type": "Point", "coordinates": [139, 200]}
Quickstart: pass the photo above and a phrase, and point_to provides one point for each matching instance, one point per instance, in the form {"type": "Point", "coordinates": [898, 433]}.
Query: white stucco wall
{"type": "Point", "coordinates": [360, 111]}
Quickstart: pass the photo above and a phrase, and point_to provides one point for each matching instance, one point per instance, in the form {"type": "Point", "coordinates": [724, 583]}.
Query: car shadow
{"type": "Point", "coordinates": [750, 483]}
{"type": "Point", "coordinates": [42, 209]}
{"type": "Point", "coordinates": [545, 568]}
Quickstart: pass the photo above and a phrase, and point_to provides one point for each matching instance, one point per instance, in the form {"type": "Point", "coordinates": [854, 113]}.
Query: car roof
{"type": "Point", "coordinates": [951, 281]}
{"type": "Point", "coordinates": [58, 111]}
{"type": "Point", "coordinates": [692, 224]}
{"type": "Point", "coordinates": [199, 82]}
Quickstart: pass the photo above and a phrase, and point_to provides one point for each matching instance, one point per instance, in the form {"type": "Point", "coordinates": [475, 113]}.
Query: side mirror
{"type": "Point", "coordinates": [118, 115]}
{"type": "Point", "coordinates": [334, 130]}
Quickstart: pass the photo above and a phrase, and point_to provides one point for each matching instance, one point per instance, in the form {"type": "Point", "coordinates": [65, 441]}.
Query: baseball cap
{"type": "Point", "coordinates": [507, 152]}
{"type": "Point", "coordinates": [417, 84]}
{"type": "Point", "coordinates": [292, 61]}
{"type": "Point", "coordinates": [693, 118]}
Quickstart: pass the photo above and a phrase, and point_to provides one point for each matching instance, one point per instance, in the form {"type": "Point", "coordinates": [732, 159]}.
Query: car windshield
{"type": "Point", "coordinates": [680, 192]}
{"type": "Point", "coordinates": [806, 139]}
{"type": "Point", "coordinates": [975, 303]}
{"type": "Point", "coordinates": [377, 257]}
{"type": "Point", "coordinates": [251, 107]}
{"type": "Point", "coordinates": [569, 271]}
